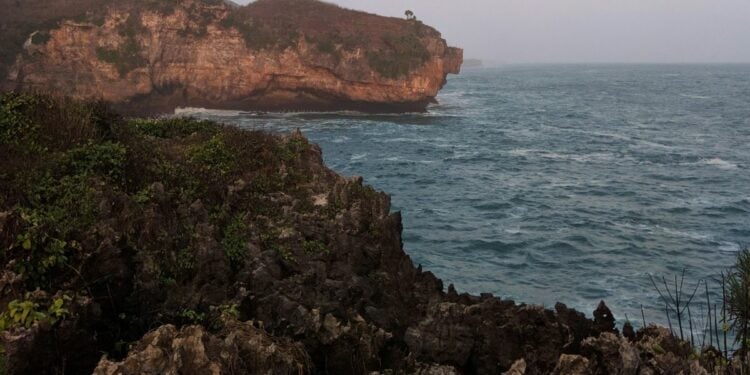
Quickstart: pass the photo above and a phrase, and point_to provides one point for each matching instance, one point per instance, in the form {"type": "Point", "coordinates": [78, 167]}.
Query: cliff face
{"type": "Point", "coordinates": [270, 55]}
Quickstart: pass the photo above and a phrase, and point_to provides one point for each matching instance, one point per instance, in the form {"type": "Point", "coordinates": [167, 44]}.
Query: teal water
{"type": "Point", "coordinates": [554, 183]}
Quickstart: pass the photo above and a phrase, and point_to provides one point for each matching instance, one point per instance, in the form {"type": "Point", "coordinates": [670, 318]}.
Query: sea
{"type": "Point", "coordinates": [571, 183]}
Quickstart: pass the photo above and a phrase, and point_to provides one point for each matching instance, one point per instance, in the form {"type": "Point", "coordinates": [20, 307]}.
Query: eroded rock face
{"type": "Point", "coordinates": [239, 348]}
{"type": "Point", "coordinates": [196, 54]}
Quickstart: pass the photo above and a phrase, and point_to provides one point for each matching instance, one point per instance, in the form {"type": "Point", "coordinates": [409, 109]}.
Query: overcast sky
{"type": "Point", "coordinates": [584, 30]}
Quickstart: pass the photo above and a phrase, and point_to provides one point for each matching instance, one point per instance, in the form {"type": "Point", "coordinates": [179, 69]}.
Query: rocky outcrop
{"type": "Point", "coordinates": [179, 246]}
{"type": "Point", "coordinates": [240, 348]}
{"type": "Point", "coordinates": [270, 55]}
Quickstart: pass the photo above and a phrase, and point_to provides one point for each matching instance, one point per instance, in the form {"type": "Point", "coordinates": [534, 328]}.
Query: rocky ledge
{"type": "Point", "coordinates": [148, 56]}
{"type": "Point", "coordinates": [185, 247]}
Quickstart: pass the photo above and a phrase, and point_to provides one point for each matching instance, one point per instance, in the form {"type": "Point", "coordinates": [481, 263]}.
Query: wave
{"type": "Point", "coordinates": [197, 111]}
{"type": "Point", "coordinates": [692, 96]}
{"type": "Point", "coordinates": [719, 163]}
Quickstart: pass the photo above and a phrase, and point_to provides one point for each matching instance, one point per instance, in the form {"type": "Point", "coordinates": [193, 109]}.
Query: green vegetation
{"type": "Point", "coordinates": [404, 54]}
{"type": "Point", "coordinates": [260, 34]}
{"type": "Point", "coordinates": [315, 247]}
{"type": "Point", "coordinates": [738, 299]}
{"type": "Point", "coordinates": [235, 242]}
{"type": "Point", "coordinates": [26, 312]}
{"type": "Point", "coordinates": [214, 156]}
{"type": "Point", "coordinates": [40, 37]}
{"type": "Point", "coordinates": [174, 127]}
{"type": "Point", "coordinates": [81, 188]}
{"type": "Point", "coordinates": [128, 55]}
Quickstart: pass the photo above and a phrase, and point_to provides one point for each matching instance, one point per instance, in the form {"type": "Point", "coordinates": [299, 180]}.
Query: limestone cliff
{"type": "Point", "coordinates": [147, 56]}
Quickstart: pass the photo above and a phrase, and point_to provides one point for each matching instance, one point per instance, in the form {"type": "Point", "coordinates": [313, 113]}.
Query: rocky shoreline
{"type": "Point", "coordinates": [185, 247]}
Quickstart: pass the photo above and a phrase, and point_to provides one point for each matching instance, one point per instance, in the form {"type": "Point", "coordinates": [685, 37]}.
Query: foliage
{"type": "Point", "coordinates": [261, 34]}
{"type": "Point", "coordinates": [235, 241]}
{"type": "Point", "coordinates": [40, 37]}
{"type": "Point", "coordinates": [285, 252]}
{"type": "Point", "coordinates": [98, 159]}
{"type": "Point", "coordinates": [404, 54]}
{"type": "Point", "coordinates": [315, 247]}
{"type": "Point", "coordinates": [16, 127]}
{"type": "Point", "coordinates": [738, 298]}
{"type": "Point", "coordinates": [292, 148]}
{"type": "Point", "coordinates": [26, 312]}
{"type": "Point", "coordinates": [214, 156]}
{"type": "Point", "coordinates": [127, 56]}
{"type": "Point", "coordinates": [174, 127]}
{"type": "Point", "coordinates": [192, 316]}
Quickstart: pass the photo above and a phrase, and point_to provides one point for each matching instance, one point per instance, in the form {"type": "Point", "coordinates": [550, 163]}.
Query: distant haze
{"type": "Point", "coordinates": [548, 31]}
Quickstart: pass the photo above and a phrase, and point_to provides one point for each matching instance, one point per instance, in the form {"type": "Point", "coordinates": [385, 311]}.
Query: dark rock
{"type": "Point", "coordinates": [604, 321]}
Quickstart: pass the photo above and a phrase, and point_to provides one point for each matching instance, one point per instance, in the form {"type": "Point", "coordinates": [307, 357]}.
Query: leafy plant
{"type": "Point", "coordinates": [315, 247]}
{"type": "Point", "coordinates": [214, 156]}
{"type": "Point", "coordinates": [174, 127]}
{"type": "Point", "coordinates": [738, 298]}
{"type": "Point", "coordinates": [234, 242]}
{"type": "Point", "coordinates": [26, 312]}
{"type": "Point", "coordinates": [102, 159]}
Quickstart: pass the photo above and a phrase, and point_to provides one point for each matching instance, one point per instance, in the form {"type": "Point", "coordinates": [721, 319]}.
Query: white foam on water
{"type": "Point", "coordinates": [691, 96]}
{"type": "Point", "coordinates": [196, 111]}
{"type": "Point", "coordinates": [719, 163]}
{"type": "Point", "coordinates": [356, 157]}
{"type": "Point", "coordinates": [729, 247]}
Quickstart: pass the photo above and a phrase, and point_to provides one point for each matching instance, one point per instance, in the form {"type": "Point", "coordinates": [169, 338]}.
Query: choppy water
{"type": "Point", "coordinates": [559, 183]}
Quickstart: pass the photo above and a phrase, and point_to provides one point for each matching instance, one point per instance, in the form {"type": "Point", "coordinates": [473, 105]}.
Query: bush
{"type": "Point", "coordinates": [102, 159]}
{"type": "Point", "coordinates": [16, 126]}
{"type": "Point", "coordinates": [738, 298]}
{"type": "Point", "coordinates": [174, 127]}
{"type": "Point", "coordinates": [214, 156]}
{"type": "Point", "coordinates": [260, 35]}
{"type": "Point", "coordinates": [234, 242]}
{"type": "Point", "coordinates": [404, 54]}
{"type": "Point", "coordinates": [40, 38]}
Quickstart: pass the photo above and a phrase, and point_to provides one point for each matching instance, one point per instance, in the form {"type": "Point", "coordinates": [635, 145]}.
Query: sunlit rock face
{"type": "Point", "coordinates": [270, 55]}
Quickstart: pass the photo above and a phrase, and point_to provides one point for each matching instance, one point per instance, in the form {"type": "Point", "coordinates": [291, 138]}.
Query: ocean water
{"type": "Point", "coordinates": [550, 183]}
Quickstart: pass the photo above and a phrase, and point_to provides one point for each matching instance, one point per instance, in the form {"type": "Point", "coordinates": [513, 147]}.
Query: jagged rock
{"type": "Point", "coordinates": [628, 332]}
{"type": "Point", "coordinates": [569, 364]}
{"type": "Point", "coordinates": [611, 354]}
{"type": "Point", "coordinates": [518, 368]}
{"type": "Point", "coordinates": [604, 321]}
{"type": "Point", "coordinates": [239, 348]}
{"type": "Point", "coordinates": [329, 287]}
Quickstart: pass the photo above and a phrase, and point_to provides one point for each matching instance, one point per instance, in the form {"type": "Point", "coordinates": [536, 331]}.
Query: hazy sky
{"type": "Point", "coordinates": [584, 30]}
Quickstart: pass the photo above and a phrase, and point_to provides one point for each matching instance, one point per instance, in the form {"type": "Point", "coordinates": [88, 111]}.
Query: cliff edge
{"type": "Point", "coordinates": [176, 246]}
{"type": "Point", "coordinates": [148, 56]}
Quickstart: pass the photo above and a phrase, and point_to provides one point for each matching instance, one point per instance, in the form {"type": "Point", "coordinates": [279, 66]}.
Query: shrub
{"type": "Point", "coordinates": [738, 298]}
{"type": "Point", "coordinates": [315, 247]}
{"type": "Point", "coordinates": [234, 242]}
{"type": "Point", "coordinates": [174, 127]}
{"type": "Point", "coordinates": [404, 54]}
{"type": "Point", "coordinates": [26, 312]}
{"type": "Point", "coordinates": [260, 35]}
{"type": "Point", "coordinates": [40, 38]}
{"type": "Point", "coordinates": [16, 126]}
{"type": "Point", "coordinates": [214, 156]}
{"type": "Point", "coordinates": [102, 159]}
